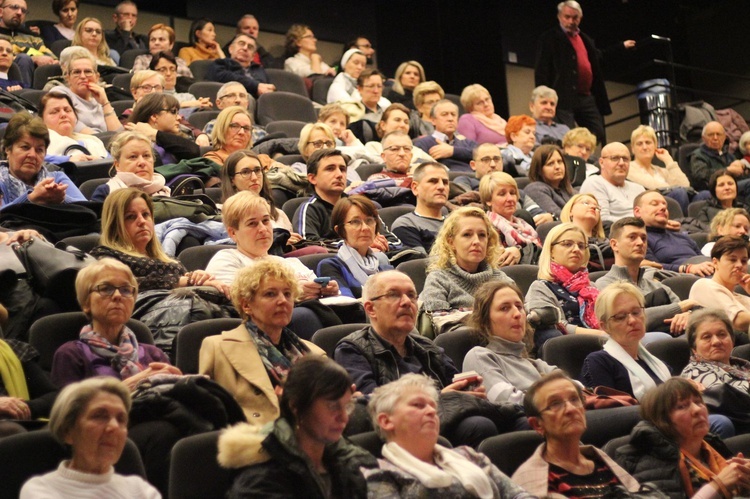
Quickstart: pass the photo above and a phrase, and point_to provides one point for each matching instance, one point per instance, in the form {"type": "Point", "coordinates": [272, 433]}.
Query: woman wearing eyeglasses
{"type": "Point", "coordinates": [355, 219]}
{"type": "Point", "coordinates": [90, 35]}
{"type": "Point", "coordinates": [480, 123]}
{"type": "Point", "coordinates": [166, 65]}
{"type": "Point", "coordinates": [232, 132]}
{"type": "Point", "coordinates": [561, 301]}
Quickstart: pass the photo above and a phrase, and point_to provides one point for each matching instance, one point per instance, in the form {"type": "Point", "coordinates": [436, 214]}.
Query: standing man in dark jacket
{"type": "Point", "coordinates": [239, 66]}
{"type": "Point", "coordinates": [568, 61]}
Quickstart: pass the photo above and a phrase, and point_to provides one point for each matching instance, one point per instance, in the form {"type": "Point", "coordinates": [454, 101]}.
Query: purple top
{"type": "Point", "coordinates": [471, 128]}
{"type": "Point", "coordinates": [74, 361]}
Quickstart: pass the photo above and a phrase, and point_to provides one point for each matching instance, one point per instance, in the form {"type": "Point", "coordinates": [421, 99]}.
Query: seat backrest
{"type": "Point", "coordinates": [700, 238]}
{"type": "Point", "coordinates": [602, 425]}
{"type": "Point", "coordinates": [675, 211]}
{"type": "Point", "coordinates": [742, 351]}
{"type": "Point", "coordinates": [200, 68]}
{"type": "Point", "coordinates": [568, 352]}
{"type": "Point", "coordinates": [610, 448]}
{"type": "Point", "coordinates": [286, 81]}
{"type": "Point", "coordinates": [522, 182]}
{"type": "Point", "coordinates": [276, 106]}
{"type": "Point", "coordinates": [197, 257]}
{"type": "Point", "coordinates": [59, 45]}
{"type": "Point", "coordinates": [674, 352]}
{"type": "Point", "coordinates": [290, 159]}
{"type": "Point", "coordinates": [88, 187]}
{"type": "Point", "coordinates": [365, 170]}
{"type": "Point", "coordinates": [84, 243]}
{"type": "Point", "coordinates": [543, 229]}
{"type": "Point", "coordinates": [320, 89]}
{"type": "Point", "coordinates": [120, 106]}
{"type": "Point", "coordinates": [128, 57]}
{"type": "Point", "coordinates": [291, 206]}
{"type": "Point", "coordinates": [739, 443]}
{"type": "Point", "coordinates": [391, 213]}
{"type": "Point", "coordinates": [416, 270]}
{"type": "Point", "coordinates": [32, 95]}
{"type": "Point", "coordinates": [457, 344]}
{"type": "Point", "coordinates": [695, 208]}
{"type": "Point", "coordinates": [312, 261]}
{"type": "Point", "coordinates": [42, 74]}
{"type": "Point", "coordinates": [683, 157]}
{"type": "Point", "coordinates": [205, 89]}
{"type": "Point", "coordinates": [50, 332]}
{"type": "Point", "coordinates": [25, 455]}
{"type": "Point", "coordinates": [522, 275]}
{"type": "Point", "coordinates": [456, 99]}
{"type": "Point", "coordinates": [199, 118]}
{"type": "Point", "coordinates": [123, 81]}
{"type": "Point", "coordinates": [328, 337]}
{"type": "Point", "coordinates": [681, 284]}
{"type": "Point", "coordinates": [509, 451]}
{"type": "Point", "coordinates": [291, 128]}
{"type": "Point", "coordinates": [186, 345]}
{"type": "Point", "coordinates": [194, 472]}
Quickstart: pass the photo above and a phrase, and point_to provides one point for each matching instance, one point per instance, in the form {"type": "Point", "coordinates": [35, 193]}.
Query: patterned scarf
{"type": "Point", "coordinates": [123, 357]}
{"type": "Point", "coordinates": [738, 368]}
{"type": "Point", "coordinates": [579, 283]}
{"type": "Point", "coordinates": [694, 472]}
{"type": "Point", "coordinates": [277, 359]}
{"type": "Point", "coordinates": [514, 232]}
{"type": "Point", "coordinates": [16, 187]}
{"type": "Point", "coordinates": [361, 267]}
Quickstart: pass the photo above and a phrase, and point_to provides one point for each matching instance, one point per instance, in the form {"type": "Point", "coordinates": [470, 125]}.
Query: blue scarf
{"type": "Point", "coordinates": [15, 187]}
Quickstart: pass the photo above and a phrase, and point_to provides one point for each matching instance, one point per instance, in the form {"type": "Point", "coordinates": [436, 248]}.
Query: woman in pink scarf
{"type": "Point", "coordinates": [480, 123]}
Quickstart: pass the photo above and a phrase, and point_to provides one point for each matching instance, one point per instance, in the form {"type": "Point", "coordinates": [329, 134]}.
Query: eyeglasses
{"type": "Point", "coordinates": [559, 405]}
{"type": "Point", "coordinates": [173, 110]}
{"type": "Point", "coordinates": [357, 223]}
{"type": "Point", "coordinates": [151, 88]}
{"type": "Point", "coordinates": [395, 149]}
{"type": "Point", "coordinates": [489, 159]}
{"type": "Point", "coordinates": [336, 406]}
{"type": "Point", "coordinates": [394, 296]}
{"type": "Point", "coordinates": [95, 31]}
{"type": "Point", "coordinates": [88, 73]}
{"type": "Point", "coordinates": [620, 318]}
{"type": "Point", "coordinates": [236, 127]}
{"type": "Point", "coordinates": [167, 70]}
{"type": "Point", "coordinates": [8, 50]}
{"type": "Point", "coordinates": [22, 10]}
{"type": "Point", "coordinates": [319, 144]}
{"type": "Point", "coordinates": [244, 45]}
{"type": "Point", "coordinates": [234, 96]}
{"type": "Point", "coordinates": [257, 171]}
{"type": "Point", "coordinates": [108, 290]}
{"type": "Point", "coordinates": [618, 159]}
{"type": "Point", "coordinates": [590, 204]}
{"type": "Point", "coordinates": [309, 36]}
{"type": "Point", "coordinates": [374, 86]}
{"type": "Point", "coordinates": [567, 244]}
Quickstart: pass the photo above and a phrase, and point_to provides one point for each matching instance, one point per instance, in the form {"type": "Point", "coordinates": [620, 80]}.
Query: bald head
{"type": "Point", "coordinates": [714, 135]}
{"type": "Point", "coordinates": [615, 163]}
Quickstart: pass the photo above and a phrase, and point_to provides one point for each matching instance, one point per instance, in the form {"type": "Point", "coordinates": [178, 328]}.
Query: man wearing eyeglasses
{"type": "Point", "coordinates": [614, 193]}
{"type": "Point", "coordinates": [233, 94]}
{"type": "Point", "coordinates": [397, 156]}
{"type": "Point", "coordinates": [240, 67]}
{"type": "Point", "coordinates": [445, 145]}
{"type": "Point", "coordinates": [665, 311]}
{"type": "Point", "coordinates": [29, 48]}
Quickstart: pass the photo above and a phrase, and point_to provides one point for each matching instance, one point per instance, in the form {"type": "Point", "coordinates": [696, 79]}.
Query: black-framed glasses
{"type": "Point", "coordinates": [320, 144]}
{"type": "Point", "coordinates": [108, 290]}
{"type": "Point", "coordinates": [236, 127]}
{"type": "Point", "coordinates": [257, 171]}
{"type": "Point", "coordinates": [618, 159]}
{"type": "Point", "coordinates": [88, 73]}
{"type": "Point", "coordinates": [234, 96]}
{"type": "Point", "coordinates": [173, 110]}
{"type": "Point", "coordinates": [489, 159]}
{"type": "Point", "coordinates": [151, 88]}
{"type": "Point", "coordinates": [559, 405]}
{"type": "Point", "coordinates": [394, 296]}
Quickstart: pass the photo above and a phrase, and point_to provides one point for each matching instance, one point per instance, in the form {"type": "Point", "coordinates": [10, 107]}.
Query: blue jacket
{"type": "Point", "coordinates": [226, 70]}
{"type": "Point", "coordinates": [462, 152]}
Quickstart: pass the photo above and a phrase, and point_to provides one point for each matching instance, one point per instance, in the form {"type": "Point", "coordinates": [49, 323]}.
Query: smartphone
{"type": "Point", "coordinates": [323, 281]}
{"type": "Point", "coordinates": [471, 376]}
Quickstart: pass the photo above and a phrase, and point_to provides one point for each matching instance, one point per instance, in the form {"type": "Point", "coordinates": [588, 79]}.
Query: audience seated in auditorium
{"type": "Point", "coordinates": [302, 54]}
{"type": "Point", "coordinates": [728, 222]}
{"type": "Point", "coordinates": [123, 37]}
{"type": "Point", "coordinates": [67, 13]}
{"type": "Point", "coordinates": [234, 94]}
{"type": "Point", "coordinates": [426, 95]}
{"type": "Point", "coordinates": [362, 43]}
{"type": "Point", "coordinates": [369, 96]}
{"type": "Point", "coordinates": [59, 115]}
{"type": "Point", "coordinates": [395, 119]}
{"type": "Point", "coordinates": [550, 184]}
{"type": "Point", "coordinates": [338, 120]}
{"type": "Point", "coordinates": [418, 229]}
{"type": "Point", "coordinates": [344, 86]}
{"type": "Point", "coordinates": [445, 145]}
{"type": "Point", "coordinates": [28, 47]}
{"type": "Point", "coordinates": [23, 176]}
{"type": "Point", "coordinates": [232, 132]}
{"type": "Point", "coordinates": [90, 35]}
{"type": "Point", "coordinates": [203, 44]}
{"type": "Point", "coordinates": [666, 244]}
{"type": "Point", "coordinates": [723, 189]}
{"type": "Point", "coordinates": [408, 75]}
{"type": "Point", "coordinates": [165, 64]}
{"type": "Point", "coordinates": [561, 465]}
{"type": "Point", "coordinates": [543, 107]}
{"type": "Point", "coordinates": [239, 66]}
{"type": "Point", "coordinates": [712, 155]}
{"type": "Point", "coordinates": [612, 189]}
{"type": "Point", "coordinates": [583, 211]}
{"type": "Point", "coordinates": [161, 39]}
{"type": "Point", "coordinates": [520, 132]}
{"type": "Point", "coordinates": [664, 309]}
{"type": "Point", "coordinates": [480, 123]}
{"type": "Point", "coordinates": [6, 60]}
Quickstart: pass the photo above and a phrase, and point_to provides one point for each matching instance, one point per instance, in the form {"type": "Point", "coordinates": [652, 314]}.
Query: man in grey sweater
{"type": "Point", "coordinates": [629, 240]}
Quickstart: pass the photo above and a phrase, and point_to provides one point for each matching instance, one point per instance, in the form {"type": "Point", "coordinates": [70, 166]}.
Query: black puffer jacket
{"type": "Point", "coordinates": [652, 457]}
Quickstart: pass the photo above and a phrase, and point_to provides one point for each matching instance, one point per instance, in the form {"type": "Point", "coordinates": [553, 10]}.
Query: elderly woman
{"type": "Point", "coordinates": [92, 418]}
{"type": "Point", "coordinates": [165, 64]}
{"type": "Point", "coordinates": [203, 44]}
{"type": "Point", "coordinates": [404, 413]}
{"type": "Point", "coordinates": [302, 54]}
{"type": "Point", "coordinates": [499, 319]}
{"type": "Point", "coordinates": [355, 220]}
{"type": "Point", "coordinates": [23, 176]}
{"type": "Point", "coordinates": [338, 119]}
{"type": "Point", "coordinates": [60, 116]}
{"type": "Point", "coordinates": [498, 191]}
{"type": "Point", "coordinates": [550, 182]}
{"type": "Point", "coordinates": [232, 132]}
{"type": "Point", "coordinates": [408, 75]}
{"type": "Point", "coordinates": [344, 86]}
{"type": "Point", "coordinates": [561, 301]}
{"type": "Point", "coordinates": [673, 449]}
{"type": "Point", "coordinates": [480, 123]}
{"type": "Point", "coordinates": [426, 95]}
{"type": "Point", "coordinates": [521, 134]}
{"type": "Point", "coordinates": [156, 116]}
{"type": "Point", "coordinates": [90, 35]}
{"type": "Point", "coordinates": [669, 179]}
{"type": "Point", "coordinates": [252, 361]}
{"type": "Point", "coordinates": [133, 167]}
{"type": "Point", "coordinates": [370, 95]}
{"type": "Point", "coordinates": [302, 454]}
{"type": "Point", "coordinates": [729, 256]}
{"type": "Point", "coordinates": [561, 466]}
{"type": "Point", "coordinates": [723, 189]}
{"type": "Point", "coordinates": [95, 113]}
{"type": "Point", "coordinates": [67, 12]}
{"type": "Point", "coordinates": [463, 257]}
{"type": "Point", "coordinates": [580, 143]}
{"type": "Point", "coordinates": [143, 83]}
{"type": "Point", "coordinates": [160, 39]}
{"type": "Point", "coordinates": [729, 222]}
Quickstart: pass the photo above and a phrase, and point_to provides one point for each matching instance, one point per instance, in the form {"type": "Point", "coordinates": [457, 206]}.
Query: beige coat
{"type": "Point", "coordinates": [232, 360]}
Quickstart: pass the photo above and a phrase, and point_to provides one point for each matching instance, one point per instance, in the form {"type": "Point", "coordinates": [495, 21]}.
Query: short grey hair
{"type": "Point", "coordinates": [419, 172]}
{"type": "Point", "coordinates": [698, 317]}
{"type": "Point", "coordinates": [372, 284]}
{"type": "Point", "coordinates": [569, 3]}
{"type": "Point", "coordinates": [703, 130]}
{"type": "Point", "coordinates": [71, 54]}
{"type": "Point", "coordinates": [543, 91]}
{"type": "Point", "coordinates": [384, 398]}
{"type": "Point", "coordinates": [440, 103]}
{"type": "Point", "coordinates": [74, 399]}
{"type": "Point", "coordinates": [395, 133]}
{"type": "Point", "coordinates": [225, 88]}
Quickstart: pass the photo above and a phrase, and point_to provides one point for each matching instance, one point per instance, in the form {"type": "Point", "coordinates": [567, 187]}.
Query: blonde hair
{"type": "Point", "coordinates": [565, 215]}
{"type": "Point", "coordinates": [579, 134]}
{"type": "Point", "coordinates": [73, 53]}
{"type": "Point", "coordinates": [330, 110]}
{"type": "Point", "coordinates": [102, 50]}
{"type": "Point", "coordinates": [140, 76]}
{"type": "Point", "coordinates": [470, 94]}
{"type": "Point", "coordinates": [397, 87]}
{"type": "Point", "coordinates": [723, 218]}
{"type": "Point", "coordinates": [424, 88]}
{"type": "Point", "coordinates": [641, 131]}
{"type": "Point", "coordinates": [248, 281]}
{"type": "Point", "coordinates": [87, 275]}
{"type": "Point", "coordinates": [307, 130]}
{"type": "Point", "coordinates": [122, 138]}
{"type": "Point", "coordinates": [490, 182]}
{"type": "Point", "coordinates": [240, 203]}
{"type": "Point", "coordinates": [606, 299]}
{"type": "Point", "coordinates": [545, 259]}
{"type": "Point", "coordinates": [219, 133]}
{"type": "Point", "coordinates": [442, 255]}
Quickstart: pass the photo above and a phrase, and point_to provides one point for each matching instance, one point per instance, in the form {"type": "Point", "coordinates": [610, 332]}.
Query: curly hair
{"type": "Point", "coordinates": [249, 280]}
{"type": "Point", "coordinates": [442, 254]}
{"type": "Point", "coordinates": [293, 35]}
{"type": "Point", "coordinates": [724, 218]}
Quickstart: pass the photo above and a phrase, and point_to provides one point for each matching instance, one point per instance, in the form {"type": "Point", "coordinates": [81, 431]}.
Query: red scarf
{"type": "Point", "coordinates": [579, 282]}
